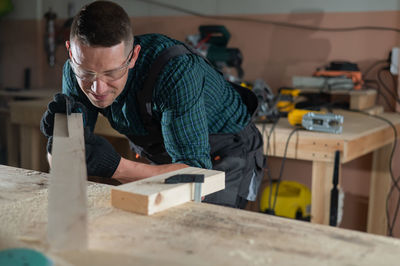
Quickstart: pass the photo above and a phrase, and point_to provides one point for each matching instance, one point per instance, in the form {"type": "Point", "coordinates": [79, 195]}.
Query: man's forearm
{"type": "Point", "coordinates": [131, 171]}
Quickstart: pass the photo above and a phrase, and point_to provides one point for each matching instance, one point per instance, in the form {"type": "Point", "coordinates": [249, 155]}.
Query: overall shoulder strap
{"type": "Point", "coordinates": [145, 96]}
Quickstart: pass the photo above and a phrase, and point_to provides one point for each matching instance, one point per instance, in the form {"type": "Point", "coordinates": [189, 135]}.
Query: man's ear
{"type": "Point", "coordinates": [136, 51]}
{"type": "Point", "coordinates": [67, 45]}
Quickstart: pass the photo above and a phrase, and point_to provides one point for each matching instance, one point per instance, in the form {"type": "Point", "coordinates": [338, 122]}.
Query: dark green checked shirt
{"type": "Point", "coordinates": [190, 99]}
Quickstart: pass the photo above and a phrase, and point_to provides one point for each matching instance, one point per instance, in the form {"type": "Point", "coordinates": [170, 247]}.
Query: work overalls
{"type": "Point", "coordinates": [239, 155]}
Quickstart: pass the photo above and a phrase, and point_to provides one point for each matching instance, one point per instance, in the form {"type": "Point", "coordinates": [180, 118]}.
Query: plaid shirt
{"type": "Point", "coordinates": [190, 99]}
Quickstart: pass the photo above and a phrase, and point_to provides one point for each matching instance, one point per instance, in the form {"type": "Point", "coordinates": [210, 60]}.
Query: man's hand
{"type": "Point", "coordinates": [58, 105]}
{"type": "Point", "coordinates": [101, 158]}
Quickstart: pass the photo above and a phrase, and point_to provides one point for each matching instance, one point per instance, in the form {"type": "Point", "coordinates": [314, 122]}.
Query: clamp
{"type": "Point", "coordinates": [197, 179]}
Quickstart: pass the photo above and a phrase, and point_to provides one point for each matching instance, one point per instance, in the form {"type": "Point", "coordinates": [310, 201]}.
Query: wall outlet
{"type": "Point", "coordinates": [394, 61]}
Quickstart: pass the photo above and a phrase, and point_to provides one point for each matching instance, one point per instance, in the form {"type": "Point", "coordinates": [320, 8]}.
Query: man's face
{"type": "Point", "coordinates": [102, 72]}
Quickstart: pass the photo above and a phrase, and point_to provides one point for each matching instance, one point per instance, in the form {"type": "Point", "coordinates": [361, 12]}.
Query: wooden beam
{"type": "Point", "coordinates": [362, 99]}
{"type": "Point", "coordinates": [322, 174]}
{"type": "Point", "coordinates": [67, 214]}
{"type": "Point", "coordinates": [151, 195]}
{"type": "Point", "coordinates": [379, 189]}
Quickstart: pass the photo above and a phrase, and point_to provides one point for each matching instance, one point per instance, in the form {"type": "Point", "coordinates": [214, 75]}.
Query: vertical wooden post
{"type": "Point", "coordinates": [322, 173]}
{"type": "Point", "coordinates": [67, 211]}
{"type": "Point", "coordinates": [379, 189]}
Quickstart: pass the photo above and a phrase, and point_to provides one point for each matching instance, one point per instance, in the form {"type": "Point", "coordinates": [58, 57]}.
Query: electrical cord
{"type": "Point", "coordinates": [378, 90]}
{"type": "Point", "coordinates": [268, 169]}
{"type": "Point", "coordinates": [366, 72]}
{"type": "Point", "coordinates": [283, 164]}
{"type": "Point", "coordinates": [270, 22]}
{"type": "Point", "coordinates": [395, 182]}
{"type": "Point", "coordinates": [389, 91]}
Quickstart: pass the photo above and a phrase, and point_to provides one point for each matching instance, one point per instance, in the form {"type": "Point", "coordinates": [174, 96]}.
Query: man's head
{"type": "Point", "coordinates": [101, 51]}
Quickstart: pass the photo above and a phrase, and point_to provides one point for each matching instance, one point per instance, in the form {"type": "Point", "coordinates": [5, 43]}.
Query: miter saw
{"type": "Point", "coordinates": [212, 42]}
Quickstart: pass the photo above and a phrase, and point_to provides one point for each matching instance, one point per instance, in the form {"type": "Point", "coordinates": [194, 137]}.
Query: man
{"type": "Point", "coordinates": [172, 105]}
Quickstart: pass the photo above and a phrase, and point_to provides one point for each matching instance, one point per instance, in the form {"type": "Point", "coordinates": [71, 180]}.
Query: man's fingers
{"type": "Point", "coordinates": [56, 106]}
{"type": "Point", "coordinates": [46, 124]}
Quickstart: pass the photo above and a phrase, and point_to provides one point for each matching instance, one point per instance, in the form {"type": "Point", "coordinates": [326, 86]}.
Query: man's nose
{"type": "Point", "coordinates": [99, 86]}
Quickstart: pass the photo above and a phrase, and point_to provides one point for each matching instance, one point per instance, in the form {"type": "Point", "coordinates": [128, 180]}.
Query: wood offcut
{"type": "Point", "coordinates": [152, 195]}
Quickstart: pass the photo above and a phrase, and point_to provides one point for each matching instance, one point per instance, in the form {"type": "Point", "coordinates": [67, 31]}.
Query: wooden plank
{"type": "Point", "coordinates": [67, 227]}
{"type": "Point", "coordinates": [363, 99]}
{"type": "Point", "coordinates": [368, 143]}
{"type": "Point", "coordinates": [151, 195]}
{"type": "Point", "coordinates": [379, 189]}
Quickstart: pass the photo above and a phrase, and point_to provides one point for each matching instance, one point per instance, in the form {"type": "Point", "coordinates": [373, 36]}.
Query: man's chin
{"type": "Point", "coordinates": [101, 104]}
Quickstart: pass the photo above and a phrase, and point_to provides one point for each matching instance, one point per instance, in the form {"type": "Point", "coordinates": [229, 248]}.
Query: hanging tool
{"type": "Point", "coordinates": [188, 178]}
{"type": "Point", "coordinates": [333, 214]}
{"type": "Point", "coordinates": [316, 121]}
{"type": "Point", "coordinates": [55, 34]}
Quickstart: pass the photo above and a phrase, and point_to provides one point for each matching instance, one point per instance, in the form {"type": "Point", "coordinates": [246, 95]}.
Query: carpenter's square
{"type": "Point", "coordinates": [188, 178]}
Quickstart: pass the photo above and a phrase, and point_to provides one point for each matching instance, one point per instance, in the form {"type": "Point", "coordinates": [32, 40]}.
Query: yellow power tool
{"type": "Point", "coordinates": [286, 99]}
{"type": "Point", "coordinates": [316, 120]}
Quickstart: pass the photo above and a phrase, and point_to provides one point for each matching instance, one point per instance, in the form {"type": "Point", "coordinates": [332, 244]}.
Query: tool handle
{"type": "Point", "coordinates": [333, 214]}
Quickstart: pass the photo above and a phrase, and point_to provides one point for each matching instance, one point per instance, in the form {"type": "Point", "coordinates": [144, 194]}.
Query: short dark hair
{"type": "Point", "coordinates": [102, 23]}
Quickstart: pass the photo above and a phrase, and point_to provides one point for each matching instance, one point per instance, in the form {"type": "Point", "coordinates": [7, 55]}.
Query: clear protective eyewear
{"type": "Point", "coordinates": [90, 76]}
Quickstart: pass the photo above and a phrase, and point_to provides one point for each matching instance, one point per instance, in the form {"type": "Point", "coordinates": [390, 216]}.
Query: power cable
{"type": "Point", "coordinates": [366, 72]}
{"type": "Point", "coordinates": [395, 182]}
{"type": "Point", "coordinates": [270, 22]}
{"type": "Point", "coordinates": [387, 89]}
{"type": "Point", "coordinates": [283, 164]}
{"type": "Point", "coordinates": [268, 169]}
{"type": "Point", "coordinates": [379, 91]}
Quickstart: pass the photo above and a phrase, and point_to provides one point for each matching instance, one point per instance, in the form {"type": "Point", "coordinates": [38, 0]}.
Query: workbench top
{"type": "Point", "coordinates": [362, 133]}
{"type": "Point", "coordinates": [191, 234]}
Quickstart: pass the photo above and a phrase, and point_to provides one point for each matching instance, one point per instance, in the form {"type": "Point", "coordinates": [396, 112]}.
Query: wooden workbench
{"type": "Point", "coordinates": [10, 132]}
{"type": "Point", "coordinates": [26, 116]}
{"type": "Point", "coordinates": [362, 134]}
{"type": "Point", "coordinates": [190, 234]}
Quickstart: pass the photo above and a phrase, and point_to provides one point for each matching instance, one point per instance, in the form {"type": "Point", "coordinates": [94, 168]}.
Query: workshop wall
{"type": "Point", "coordinates": [272, 53]}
